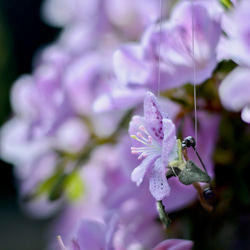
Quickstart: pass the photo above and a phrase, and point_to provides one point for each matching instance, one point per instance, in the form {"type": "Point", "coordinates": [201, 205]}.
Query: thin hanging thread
{"type": "Point", "coordinates": [159, 52]}
{"type": "Point", "coordinates": [194, 68]}
{"type": "Point", "coordinates": [194, 77]}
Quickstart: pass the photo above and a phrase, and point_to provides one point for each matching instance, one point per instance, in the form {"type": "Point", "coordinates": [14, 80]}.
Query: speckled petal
{"type": "Point", "coordinates": [153, 116]}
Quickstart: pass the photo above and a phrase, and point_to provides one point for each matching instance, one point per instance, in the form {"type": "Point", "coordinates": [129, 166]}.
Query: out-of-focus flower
{"type": "Point", "coordinates": [53, 105]}
{"type": "Point", "coordinates": [28, 176]}
{"type": "Point", "coordinates": [93, 234]}
{"type": "Point", "coordinates": [16, 147]}
{"type": "Point", "coordinates": [136, 65]}
{"type": "Point", "coordinates": [234, 92]}
{"type": "Point", "coordinates": [128, 16]}
{"type": "Point", "coordinates": [176, 53]}
{"type": "Point", "coordinates": [85, 78]}
{"type": "Point", "coordinates": [174, 244]}
{"type": "Point", "coordinates": [71, 136]}
{"type": "Point", "coordinates": [108, 187]}
{"type": "Point", "coordinates": [235, 45]}
{"type": "Point", "coordinates": [157, 133]}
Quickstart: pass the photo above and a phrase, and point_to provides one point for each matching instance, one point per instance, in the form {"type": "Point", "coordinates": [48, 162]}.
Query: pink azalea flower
{"type": "Point", "coordinates": [157, 133]}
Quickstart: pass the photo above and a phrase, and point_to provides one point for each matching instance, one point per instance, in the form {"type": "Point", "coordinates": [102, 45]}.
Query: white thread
{"type": "Point", "coordinates": [159, 52]}
{"type": "Point", "coordinates": [174, 172]}
{"type": "Point", "coordinates": [194, 78]}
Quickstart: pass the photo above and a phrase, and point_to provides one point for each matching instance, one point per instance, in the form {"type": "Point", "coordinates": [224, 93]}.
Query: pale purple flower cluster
{"type": "Point", "coordinates": [136, 65]}
{"type": "Point", "coordinates": [53, 105]}
{"type": "Point", "coordinates": [69, 135]}
{"type": "Point", "coordinates": [54, 125]}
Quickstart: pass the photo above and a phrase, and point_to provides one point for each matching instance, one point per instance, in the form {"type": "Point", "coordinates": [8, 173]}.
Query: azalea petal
{"type": "Point", "coordinates": [174, 244]}
{"type": "Point", "coordinates": [24, 97]}
{"type": "Point", "coordinates": [135, 123]}
{"type": "Point", "coordinates": [118, 98]}
{"type": "Point", "coordinates": [80, 82]}
{"type": "Point", "coordinates": [169, 141]}
{"type": "Point", "coordinates": [237, 38]}
{"type": "Point", "coordinates": [16, 148]}
{"type": "Point", "coordinates": [111, 222]}
{"type": "Point", "coordinates": [90, 235]}
{"type": "Point", "coordinates": [234, 90]}
{"type": "Point", "coordinates": [245, 114]}
{"type": "Point", "coordinates": [158, 184]}
{"type": "Point", "coordinates": [71, 136]}
{"type": "Point", "coordinates": [129, 65]}
{"type": "Point", "coordinates": [140, 171]}
{"type": "Point", "coordinates": [153, 116]}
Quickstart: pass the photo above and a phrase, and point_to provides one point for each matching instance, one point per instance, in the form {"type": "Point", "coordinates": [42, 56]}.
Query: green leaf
{"type": "Point", "coordinates": [53, 186]}
{"type": "Point", "coordinates": [56, 190]}
{"type": "Point", "coordinates": [73, 186]}
{"type": "Point", "coordinates": [49, 183]}
{"type": "Point", "coordinates": [226, 3]}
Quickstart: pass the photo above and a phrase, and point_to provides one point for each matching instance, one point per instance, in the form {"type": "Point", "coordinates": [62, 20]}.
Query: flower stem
{"type": "Point", "coordinates": [163, 215]}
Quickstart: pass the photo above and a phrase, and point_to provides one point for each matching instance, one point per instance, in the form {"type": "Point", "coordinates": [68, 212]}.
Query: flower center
{"type": "Point", "coordinates": [152, 147]}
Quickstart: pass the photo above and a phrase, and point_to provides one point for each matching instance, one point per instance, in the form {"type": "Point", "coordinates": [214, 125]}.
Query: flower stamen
{"type": "Point", "coordinates": [151, 145]}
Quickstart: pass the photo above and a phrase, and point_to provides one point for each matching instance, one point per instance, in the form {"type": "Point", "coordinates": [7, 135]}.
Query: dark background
{"type": "Point", "coordinates": [22, 32]}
